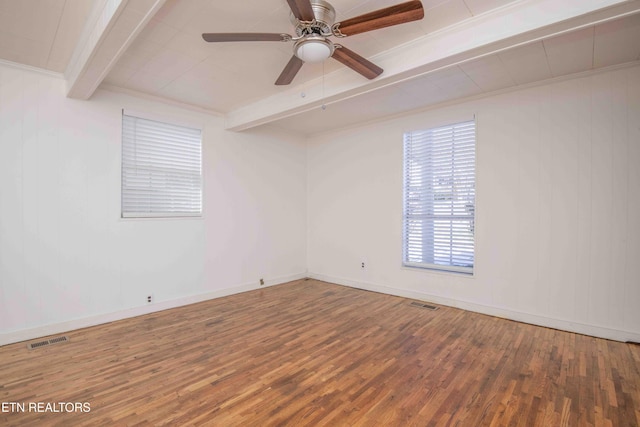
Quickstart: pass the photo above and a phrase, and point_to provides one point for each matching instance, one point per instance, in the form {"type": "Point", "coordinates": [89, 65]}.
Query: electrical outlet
{"type": "Point", "coordinates": [149, 298]}
{"type": "Point", "coordinates": [362, 264]}
{"type": "Point", "coordinates": [261, 282]}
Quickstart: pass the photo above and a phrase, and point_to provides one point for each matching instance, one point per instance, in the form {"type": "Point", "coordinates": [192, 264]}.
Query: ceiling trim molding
{"type": "Point", "coordinates": [113, 26]}
{"type": "Point", "coordinates": [521, 23]}
{"type": "Point", "coordinates": [29, 68]}
{"type": "Point", "coordinates": [160, 99]}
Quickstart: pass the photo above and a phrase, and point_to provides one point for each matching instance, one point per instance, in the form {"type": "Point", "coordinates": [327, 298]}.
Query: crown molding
{"type": "Point", "coordinates": [31, 69]}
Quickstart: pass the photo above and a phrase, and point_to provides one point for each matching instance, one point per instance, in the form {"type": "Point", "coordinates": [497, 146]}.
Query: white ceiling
{"type": "Point", "coordinates": [170, 55]}
{"type": "Point", "coordinates": [608, 44]}
{"type": "Point", "coordinates": [461, 48]}
{"type": "Point", "coordinates": [41, 33]}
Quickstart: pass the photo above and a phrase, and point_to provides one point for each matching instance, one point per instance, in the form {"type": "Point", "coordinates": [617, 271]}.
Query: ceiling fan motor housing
{"type": "Point", "coordinates": [325, 16]}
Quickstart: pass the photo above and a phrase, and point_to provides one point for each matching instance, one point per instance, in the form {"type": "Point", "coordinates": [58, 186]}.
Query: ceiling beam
{"type": "Point", "coordinates": [111, 27]}
{"type": "Point", "coordinates": [517, 24]}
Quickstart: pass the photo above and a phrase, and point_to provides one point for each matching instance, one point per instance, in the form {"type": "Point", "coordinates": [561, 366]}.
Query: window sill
{"type": "Point", "coordinates": [462, 271]}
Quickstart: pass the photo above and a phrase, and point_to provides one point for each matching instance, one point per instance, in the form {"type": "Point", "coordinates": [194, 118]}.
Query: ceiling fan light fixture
{"type": "Point", "coordinates": [314, 49]}
{"type": "Point", "coordinates": [314, 22]}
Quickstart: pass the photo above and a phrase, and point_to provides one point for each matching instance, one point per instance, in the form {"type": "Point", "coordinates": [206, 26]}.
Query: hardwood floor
{"type": "Point", "coordinates": [313, 353]}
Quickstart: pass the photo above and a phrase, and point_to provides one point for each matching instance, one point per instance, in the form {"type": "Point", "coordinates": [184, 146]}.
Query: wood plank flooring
{"type": "Point", "coordinates": [318, 354]}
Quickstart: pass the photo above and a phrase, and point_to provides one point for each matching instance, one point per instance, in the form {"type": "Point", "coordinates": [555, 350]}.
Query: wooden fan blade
{"type": "Point", "coordinates": [290, 71]}
{"type": "Point", "coordinates": [357, 62]}
{"type": "Point", "coordinates": [301, 9]}
{"type": "Point", "coordinates": [245, 37]}
{"type": "Point", "coordinates": [393, 15]}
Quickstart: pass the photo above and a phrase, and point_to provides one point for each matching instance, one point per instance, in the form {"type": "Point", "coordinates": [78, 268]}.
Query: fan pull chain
{"type": "Point", "coordinates": [324, 107]}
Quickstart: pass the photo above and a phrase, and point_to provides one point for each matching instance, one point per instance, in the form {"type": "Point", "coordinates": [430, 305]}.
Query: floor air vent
{"type": "Point", "coordinates": [423, 305]}
{"type": "Point", "coordinates": [38, 344]}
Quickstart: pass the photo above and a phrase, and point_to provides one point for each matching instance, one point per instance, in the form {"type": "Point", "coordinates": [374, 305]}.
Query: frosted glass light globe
{"type": "Point", "coordinates": [314, 49]}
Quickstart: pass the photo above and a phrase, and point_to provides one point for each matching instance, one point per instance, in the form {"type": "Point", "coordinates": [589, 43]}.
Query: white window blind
{"type": "Point", "coordinates": [161, 169]}
{"type": "Point", "coordinates": [439, 198]}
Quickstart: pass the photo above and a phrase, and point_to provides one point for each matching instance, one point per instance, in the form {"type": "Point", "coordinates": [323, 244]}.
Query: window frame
{"type": "Point", "coordinates": [160, 215]}
{"type": "Point", "coordinates": [439, 267]}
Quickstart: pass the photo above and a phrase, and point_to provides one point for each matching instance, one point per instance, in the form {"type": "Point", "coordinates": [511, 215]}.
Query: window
{"type": "Point", "coordinates": [161, 169]}
{"type": "Point", "coordinates": [439, 198]}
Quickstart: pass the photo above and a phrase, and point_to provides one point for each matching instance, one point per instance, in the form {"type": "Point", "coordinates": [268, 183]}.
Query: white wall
{"type": "Point", "coordinates": [558, 206]}
{"type": "Point", "coordinates": [67, 259]}
{"type": "Point", "coordinates": [558, 188]}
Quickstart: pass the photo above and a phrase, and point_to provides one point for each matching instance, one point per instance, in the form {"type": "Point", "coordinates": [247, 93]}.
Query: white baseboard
{"type": "Point", "coordinates": [561, 324]}
{"type": "Point", "coordinates": [70, 325]}
{"type": "Point", "coordinates": [565, 325]}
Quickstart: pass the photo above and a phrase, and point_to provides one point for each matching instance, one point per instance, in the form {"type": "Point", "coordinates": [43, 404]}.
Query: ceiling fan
{"type": "Point", "coordinates": [314, 22]}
